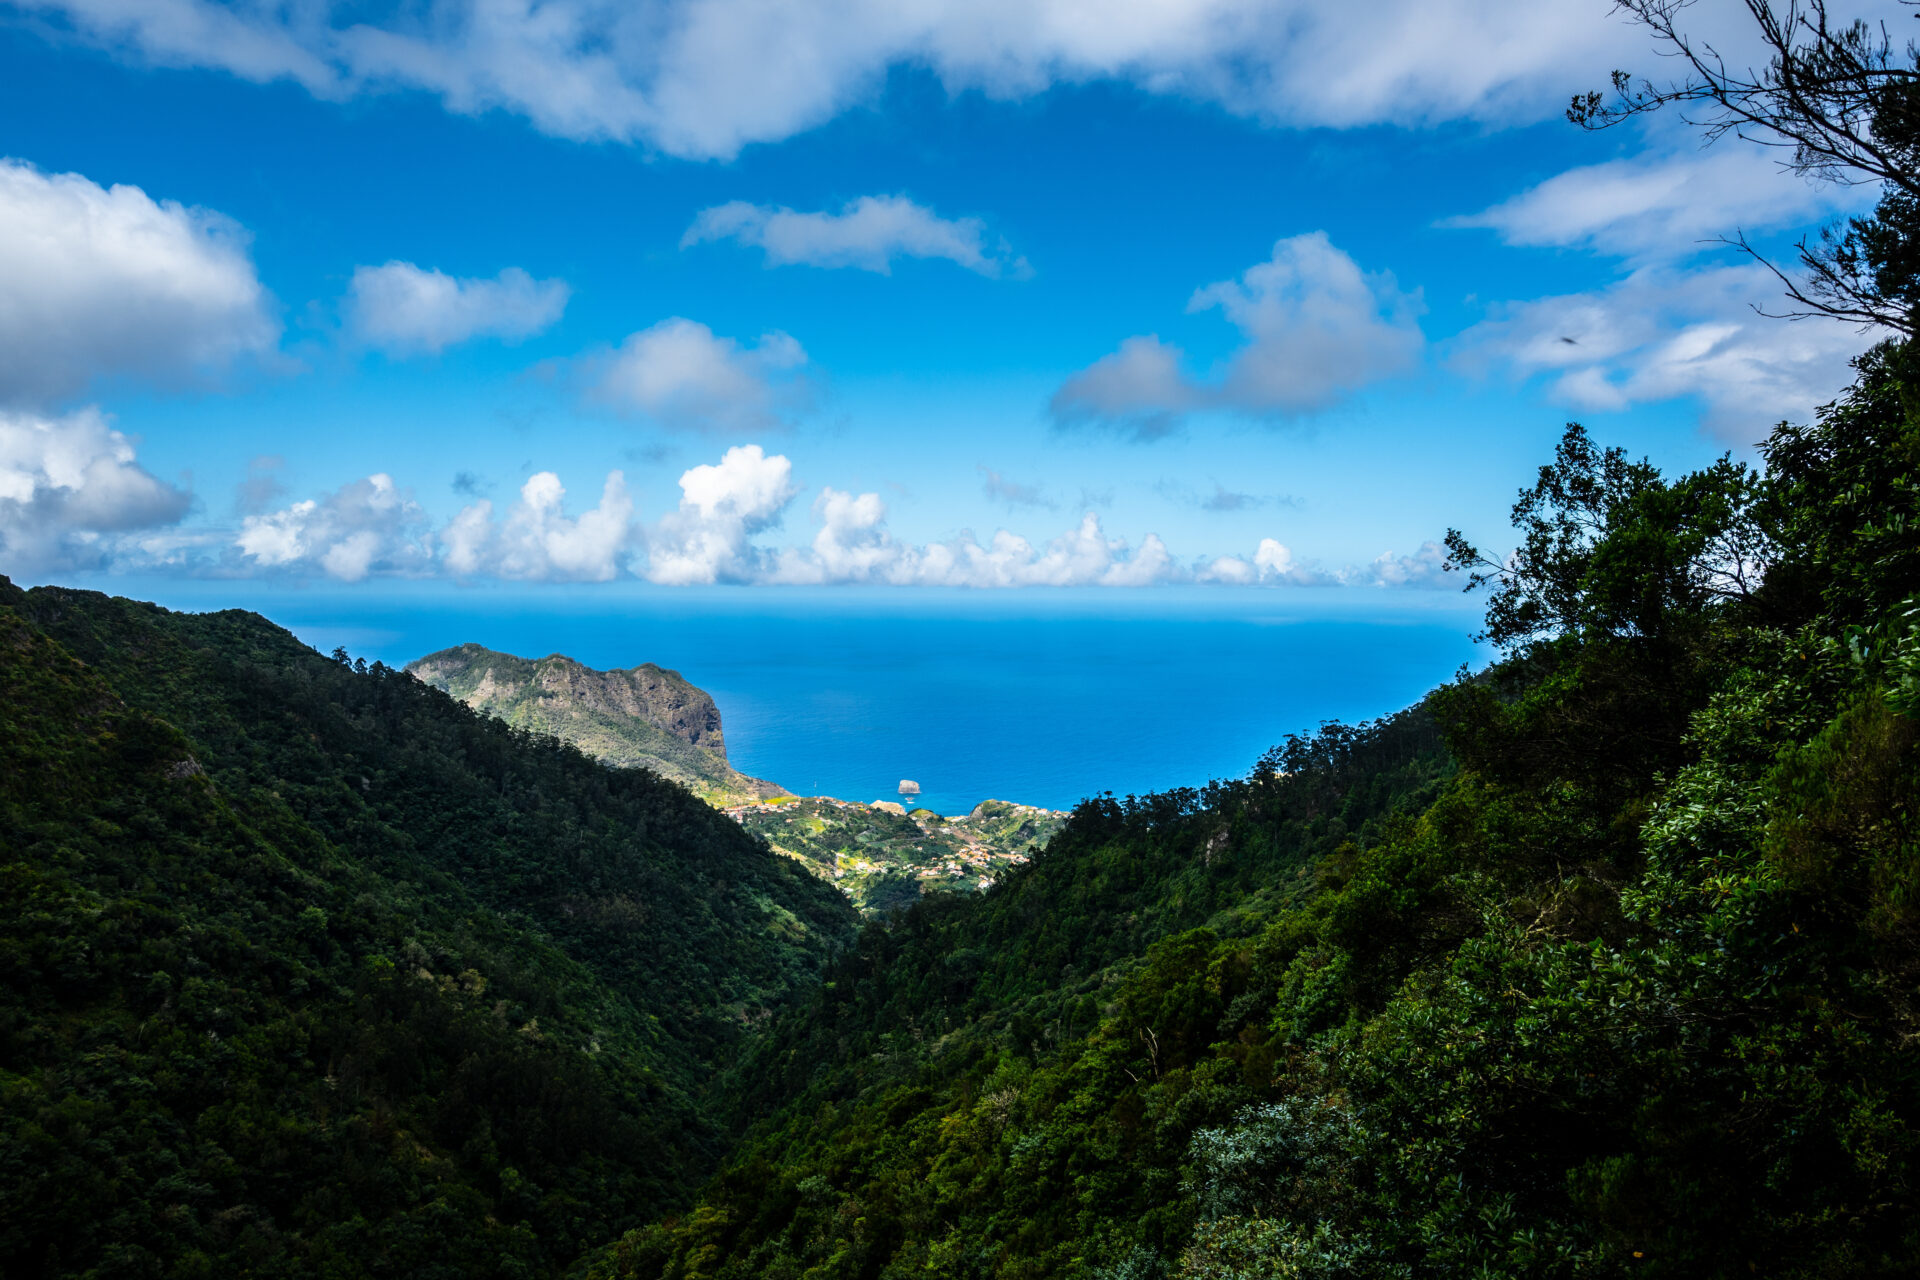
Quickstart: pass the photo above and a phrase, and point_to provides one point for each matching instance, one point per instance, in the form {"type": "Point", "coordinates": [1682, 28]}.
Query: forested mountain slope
{"type": "Point", "coordinates": [1631, 987]}
{"type": "Point", "coordinates": [309, 969]}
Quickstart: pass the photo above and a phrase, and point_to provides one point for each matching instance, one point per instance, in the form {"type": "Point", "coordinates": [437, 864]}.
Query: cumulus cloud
{"type": "Point", "coordinates": [1139, 388]}
{"type": "Point", "coordinates": [868, 233]}
{"type": "Point", "coordinates": [854, 545]}
{"type": "Point", "coordinates": [1665, 332]}
{"type": "Point", "coordinates": [106, 280]}
{"type": "Point", "coordinates": [722, 506]}
{"type": "Point", "coordinates": [401, 308]}
{"type": "Point", "coordinates": [1315, 329]}
{"type": "Point", "coordinates": [370, 526]}
{"type": "Point", "coordinates": [1666, 204]}
{"type": "Point", "coordinates": [1425, 568]}
{"type": "Point", "coordinates": [1272, 564]}
{"type": "Point", "coordinates": [681, 375]}
{"type": "Point", "coordinates": [704, 78]}
{"type": "Point", "coordinates": [72, 493]}
{"type": "Point", "coordinates": [538, 541]}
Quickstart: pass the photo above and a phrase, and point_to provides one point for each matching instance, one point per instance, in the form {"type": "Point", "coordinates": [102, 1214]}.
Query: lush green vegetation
{"type": "Point", "coordinates": [1624, 979]}
{"type": "Point", "coordinates": [1604, 961]}
{"type": "Point", "coordinates": [309, 969]}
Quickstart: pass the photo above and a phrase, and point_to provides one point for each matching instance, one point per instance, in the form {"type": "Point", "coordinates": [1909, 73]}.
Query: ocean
{"type": "Point", "coordinates": [1037, 697]}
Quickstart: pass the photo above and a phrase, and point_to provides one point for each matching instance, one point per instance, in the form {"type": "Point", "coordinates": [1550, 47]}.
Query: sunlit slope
{"type": "Point", "coordinates": [643, 717]}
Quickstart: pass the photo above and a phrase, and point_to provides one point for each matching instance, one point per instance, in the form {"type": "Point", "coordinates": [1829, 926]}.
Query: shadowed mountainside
{"type": "Point", "coordinates": [307, 969]}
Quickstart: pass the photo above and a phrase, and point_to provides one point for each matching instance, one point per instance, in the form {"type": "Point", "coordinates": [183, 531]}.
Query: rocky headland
{"type": "Point", "coordinates": [643, 717]}
{"type": "Point", "coordinates": [880, 855]}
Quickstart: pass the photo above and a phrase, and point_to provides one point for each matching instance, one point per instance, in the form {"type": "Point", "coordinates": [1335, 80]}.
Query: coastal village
{"type": "Point", "coordinates": [884, 856]}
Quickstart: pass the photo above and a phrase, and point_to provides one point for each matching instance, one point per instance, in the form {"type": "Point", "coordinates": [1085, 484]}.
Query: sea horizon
{"type": "Point", "coordinates": [1038, 697]}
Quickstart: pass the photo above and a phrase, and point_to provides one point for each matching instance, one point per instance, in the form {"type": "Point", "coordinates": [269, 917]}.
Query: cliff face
{"type": "Point", "coordinates": [645, 717]}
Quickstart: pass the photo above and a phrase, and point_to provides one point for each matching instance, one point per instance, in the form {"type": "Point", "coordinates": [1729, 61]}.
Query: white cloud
{"type": "Point", "coordinates": [1425, 568]}
{"type": "Point", "coordinates": [679, 374]}
{"type": "Point", "coordinates": [704, 78]}
{"type": "Point", "coordinates": [1670, 203]}
{"type": "Point", "coordinates": [538, 541]}
{"type": "Point", "coordinates": [401, 308]}
{"type": "Point", "coordinates": [105, 280]}
{"type": "Point", "coordinates": [366, 527]}
{"type": "Point", "coordinates": [854, 545]}
{"type": "Point", "coordinates": [721, 507]}
{"type": "Point", "coordinates": [710, 539]}
{"type": "Point", "coordinates": [869, 233]}
{"type": "Point", "coordinates": [72, 492]}
{"type": "Point", "coordinates": [1273, 564]}
{"type": "Point", "coordinates": [1315, 327]}
{"type": "Point", "coordinates": [1662, 333]}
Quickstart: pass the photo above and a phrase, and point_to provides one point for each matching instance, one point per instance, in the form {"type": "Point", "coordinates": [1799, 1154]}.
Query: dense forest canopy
{"type": "Point", "coordinates": [1602, 961]}
{"type": "Point", "coordinates": [308, 969]}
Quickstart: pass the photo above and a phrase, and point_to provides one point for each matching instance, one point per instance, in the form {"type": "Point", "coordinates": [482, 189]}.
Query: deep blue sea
{"type": "Point", "coordinates": [1041, 698]}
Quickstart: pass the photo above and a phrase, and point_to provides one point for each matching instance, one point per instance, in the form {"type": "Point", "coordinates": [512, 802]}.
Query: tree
{"type": "Point", "coordinates": [1841, 101]}
{"type": "Point", "coordinates": [1610, 550]}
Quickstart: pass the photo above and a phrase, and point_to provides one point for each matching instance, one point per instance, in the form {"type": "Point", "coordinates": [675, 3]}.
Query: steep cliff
{"type": "Point", "coordinates": [644, 717]}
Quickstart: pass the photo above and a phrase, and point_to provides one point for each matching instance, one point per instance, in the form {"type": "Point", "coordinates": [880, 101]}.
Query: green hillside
{"type": "Point", "coordinates": [646, 717]}
{"type": "Point", "coordinates": [1602, 962]}
{"type": "Point", "coordinates": [311, 970]}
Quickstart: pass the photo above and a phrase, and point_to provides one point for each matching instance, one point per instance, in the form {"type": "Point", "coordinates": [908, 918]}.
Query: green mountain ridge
{"type": "Point", "coordinates": [309, 969]}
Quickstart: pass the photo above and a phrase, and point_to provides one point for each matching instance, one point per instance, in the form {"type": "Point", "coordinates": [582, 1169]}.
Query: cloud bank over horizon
{"type": "Point", "coordinates": [110, 514]}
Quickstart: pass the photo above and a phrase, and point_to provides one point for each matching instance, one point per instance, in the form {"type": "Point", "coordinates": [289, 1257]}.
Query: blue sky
{"type": "Point", "coordinates": [916, 295]}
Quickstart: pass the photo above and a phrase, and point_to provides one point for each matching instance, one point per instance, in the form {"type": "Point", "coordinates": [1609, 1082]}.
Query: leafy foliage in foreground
{"type": "Point", "coordinates": [323, 973]}
{"type": "Point", "coordinates": [1633, 989]}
